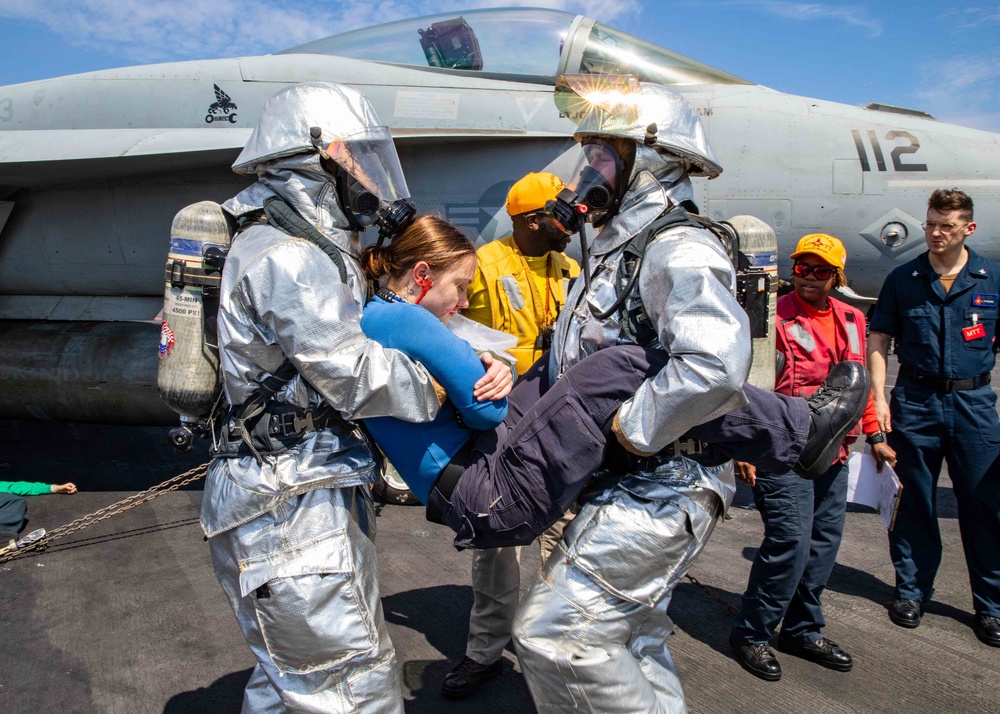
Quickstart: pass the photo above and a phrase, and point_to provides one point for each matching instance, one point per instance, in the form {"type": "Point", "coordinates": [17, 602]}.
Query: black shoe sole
{"type": "Point", "coordinates": [908, 624]}
{"type": "Point", "coordinates": [824, 460]}
{"type": "Point", "coordinates": [469, 691]}
{"type": "Point", "coordinates": [801, 654]}
{"type": "Point", "coordinates": [987, 640]}
{"type": "Point", "coordinates": [766, 676]}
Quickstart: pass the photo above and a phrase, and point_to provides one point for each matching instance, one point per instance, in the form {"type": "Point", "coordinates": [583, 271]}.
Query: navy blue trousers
{"type": "Point", "coordinates": [523, 476]}
{"type": "Point", "coordinates": [803, 527]}
{"type": "Point", "coordinates": [12, 511]}
{"type": "Point", "coordinates": [962, 430]}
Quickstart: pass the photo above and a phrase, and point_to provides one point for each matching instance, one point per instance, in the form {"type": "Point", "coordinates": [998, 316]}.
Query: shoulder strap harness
{"type": "Point", "coordinates": [243, 419]}
{"type": "Point", "coordinates": [636, 324]}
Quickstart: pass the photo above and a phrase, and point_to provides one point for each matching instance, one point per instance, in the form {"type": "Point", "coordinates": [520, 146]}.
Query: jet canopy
{"type": "Point", "coordinates": [519, 44]}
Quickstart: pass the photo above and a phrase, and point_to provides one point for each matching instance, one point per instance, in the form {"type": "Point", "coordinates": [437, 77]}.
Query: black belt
{"type": "Point", "coordinates": [698, 451]}
{"type": "Point", "coordinates": [942, 384]}
{"type": "Point", "coordinates": [447, 480]}
{"type": "Point", "coordinates": [276, 429]}
{"type": "Point", "coordinates": [685, 447]}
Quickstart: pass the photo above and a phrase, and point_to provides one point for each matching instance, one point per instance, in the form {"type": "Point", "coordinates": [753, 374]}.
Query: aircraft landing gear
{"type": "Point", "coordinates": [391, 489]}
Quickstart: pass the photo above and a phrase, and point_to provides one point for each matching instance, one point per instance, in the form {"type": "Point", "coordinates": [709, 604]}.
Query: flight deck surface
{"type": "Point", "coordinates": [126, 616]}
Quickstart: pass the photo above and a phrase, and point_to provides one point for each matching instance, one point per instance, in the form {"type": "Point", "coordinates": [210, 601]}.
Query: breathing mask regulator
{"type": "Point", "coordinates": [594, 195]}
{"type": "Point", "coordinates": [369, 181]}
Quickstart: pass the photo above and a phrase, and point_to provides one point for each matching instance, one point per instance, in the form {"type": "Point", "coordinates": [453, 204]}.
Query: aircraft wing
{"type": "Point", "coordinates": [39, 157]}
{"type": "Point", "coordinates": [55, 156]}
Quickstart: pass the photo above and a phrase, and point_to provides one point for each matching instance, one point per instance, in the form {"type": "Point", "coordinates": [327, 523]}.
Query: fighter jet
{"type": "Point", "coordinates": [94, 166]}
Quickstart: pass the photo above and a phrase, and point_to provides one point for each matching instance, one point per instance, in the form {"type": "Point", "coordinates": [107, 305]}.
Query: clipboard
{"type": "Point", "coordinates": [869, 487]}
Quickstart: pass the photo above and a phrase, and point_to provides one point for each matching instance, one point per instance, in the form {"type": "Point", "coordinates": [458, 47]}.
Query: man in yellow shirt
{"type": "Point", "coordinates": [520, 285]}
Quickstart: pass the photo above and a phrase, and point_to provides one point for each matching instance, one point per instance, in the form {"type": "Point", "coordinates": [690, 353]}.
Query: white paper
{"type": "Point", "coordinates": [868, 487]}
{"type": "Point", "coordinates": [483, 338]}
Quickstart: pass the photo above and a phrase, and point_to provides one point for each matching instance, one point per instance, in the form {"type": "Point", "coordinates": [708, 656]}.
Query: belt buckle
{"type": "Point", "coordinates": [687, 446]}
{"type": "Point", "coordinates": [305, 423]}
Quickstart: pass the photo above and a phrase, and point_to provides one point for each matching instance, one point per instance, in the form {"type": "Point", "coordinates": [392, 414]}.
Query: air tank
{"type": "Point", "coordinates": [188, 374]}
{"type": "Point", "coordinates": [758, 292]}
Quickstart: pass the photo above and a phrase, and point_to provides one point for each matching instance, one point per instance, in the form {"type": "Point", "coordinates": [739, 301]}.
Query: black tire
{"type": "Point", "coordinates": [390, 489]}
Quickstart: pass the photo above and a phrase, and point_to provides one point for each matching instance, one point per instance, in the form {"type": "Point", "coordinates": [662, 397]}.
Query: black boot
{"type": "Point", "coordinates": [833, 409]}
{"type": "Point", "coordinates": [467, 677]}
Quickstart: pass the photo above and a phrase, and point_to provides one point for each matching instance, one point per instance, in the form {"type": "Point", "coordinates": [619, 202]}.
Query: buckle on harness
{"type": "Point", "coordinates": [305, 423]}
{"type": "Point", "coordinates": [686, 446]}
{"type": "Point", "coordinates": [177, 273]}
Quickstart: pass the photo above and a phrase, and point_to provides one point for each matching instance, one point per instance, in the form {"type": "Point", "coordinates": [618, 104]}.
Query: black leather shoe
{"type": "Point", "coordinates": [467, 677]}
{"type": "Point", "coordinates": [757, 659]}
{"type": "Point", "coordinates": [823, 651]}
{"type": "Point", "coordinates": [833, 409]}
{"type": "Point", "coordinates": [988, 630]}
{"type": "Point", "coordinates": [906, 613]}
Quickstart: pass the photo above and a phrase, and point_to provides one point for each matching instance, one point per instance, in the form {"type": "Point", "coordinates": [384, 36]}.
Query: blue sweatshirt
{"type": "Point", "coordinates": [421, 451]}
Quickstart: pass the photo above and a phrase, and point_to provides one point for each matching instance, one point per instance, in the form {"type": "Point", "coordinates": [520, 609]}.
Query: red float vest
{"type": "Point", "coordinates": [808, 354]}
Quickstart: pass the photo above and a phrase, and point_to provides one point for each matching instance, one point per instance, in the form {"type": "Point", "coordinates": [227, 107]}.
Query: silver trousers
{"type": "Point", "coordinates": [591, 632]}
{"type": "Point", "coordinates": [302, 580]}
{"type": "Point", "coordinates": [496, 586]}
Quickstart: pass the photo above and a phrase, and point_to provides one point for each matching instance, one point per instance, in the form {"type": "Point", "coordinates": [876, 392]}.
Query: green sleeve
{"type": "Point", "coordinates": [24, 488]}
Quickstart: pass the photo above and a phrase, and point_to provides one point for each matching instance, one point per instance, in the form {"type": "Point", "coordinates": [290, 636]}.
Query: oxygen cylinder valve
{"type": "Point", "coordinates": [181, 438]}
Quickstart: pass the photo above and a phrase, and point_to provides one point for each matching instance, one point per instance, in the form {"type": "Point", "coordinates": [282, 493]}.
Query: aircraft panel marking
{"type": "Point", "coordinates": [896, 153]}
{"type": "Point", "coordinates": [911, 149]}
{"type": "Point", "coordinates": [427, 105]}
{"type": "Point", "coordinates": [965, 184]}
{"type": "Point", "coordinates": [222, 109]}
{"type": "Point", "coordinates": [6, 109]}
{"type": "Point", "coordinates": [877, 149]}
{"type": "Point", "coordinates": [529, 107]}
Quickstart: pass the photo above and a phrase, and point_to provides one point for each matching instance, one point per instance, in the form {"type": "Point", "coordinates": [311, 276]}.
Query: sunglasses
{"type": "Point", "coordinates": [820, 272]}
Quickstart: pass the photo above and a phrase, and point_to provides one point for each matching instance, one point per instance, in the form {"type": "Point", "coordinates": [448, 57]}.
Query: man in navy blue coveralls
{"type": "Point", "coordinates": [942, 309]}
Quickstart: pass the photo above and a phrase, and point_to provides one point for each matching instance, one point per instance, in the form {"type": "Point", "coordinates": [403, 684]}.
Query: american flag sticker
{"type": "Point", "coordinates": [166, 339]}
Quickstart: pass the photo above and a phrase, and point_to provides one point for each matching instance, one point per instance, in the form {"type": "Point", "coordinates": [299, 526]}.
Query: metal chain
{"type": "Point", "coordinates": [136, 499]}
{"type": "Point", "coordinates": [173, 484]}
{"type": "Point", "coordinates": [729, 606]}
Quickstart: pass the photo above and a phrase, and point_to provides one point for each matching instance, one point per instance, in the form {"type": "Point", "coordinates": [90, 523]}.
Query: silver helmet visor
{"type": "Point", "coordinates": [370, 157]}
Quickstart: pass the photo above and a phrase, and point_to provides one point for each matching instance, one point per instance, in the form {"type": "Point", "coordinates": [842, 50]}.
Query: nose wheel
{"type": "Point", "coordinates": [392, 489]}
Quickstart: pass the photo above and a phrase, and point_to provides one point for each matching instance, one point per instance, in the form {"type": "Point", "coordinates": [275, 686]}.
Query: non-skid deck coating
{"type": "Point", "coordinates": [129, 618]}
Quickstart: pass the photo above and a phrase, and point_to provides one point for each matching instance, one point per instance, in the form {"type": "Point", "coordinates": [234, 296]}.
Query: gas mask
{"type": "Point", "coordinates": [369, 180]}
{"type": "Point", "coordinates": [602, 175]}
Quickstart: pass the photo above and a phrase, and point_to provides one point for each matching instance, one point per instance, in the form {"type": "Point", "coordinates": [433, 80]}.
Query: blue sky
{"type": "Point", "coordinates": [914, 53]}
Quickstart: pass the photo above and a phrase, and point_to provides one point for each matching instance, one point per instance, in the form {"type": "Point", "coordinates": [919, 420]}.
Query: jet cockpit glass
{"type": "Point", "coordinates": [598, 49]}
{"type": "Point", "coordinates": [512, 41]}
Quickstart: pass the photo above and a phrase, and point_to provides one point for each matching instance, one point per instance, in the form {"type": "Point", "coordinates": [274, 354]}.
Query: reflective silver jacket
{"type": "Point", "coordinates": [282, 296]}
{"type": "Point", "coordinates": [687, 287]}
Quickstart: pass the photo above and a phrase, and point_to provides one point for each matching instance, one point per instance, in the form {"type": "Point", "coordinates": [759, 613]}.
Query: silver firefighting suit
{"type": "Point", "coordinates": [291, 537]}
{"type": "Point", "coordinates": [591, 632]}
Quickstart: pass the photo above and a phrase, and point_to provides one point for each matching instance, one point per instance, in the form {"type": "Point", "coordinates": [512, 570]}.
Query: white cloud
{"type": "Point", "coordinates": [961, 90]}
{"type": "Point", "coordinates": [166, 30]}
{"type": "Point", "coordinates": [856, 15]}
